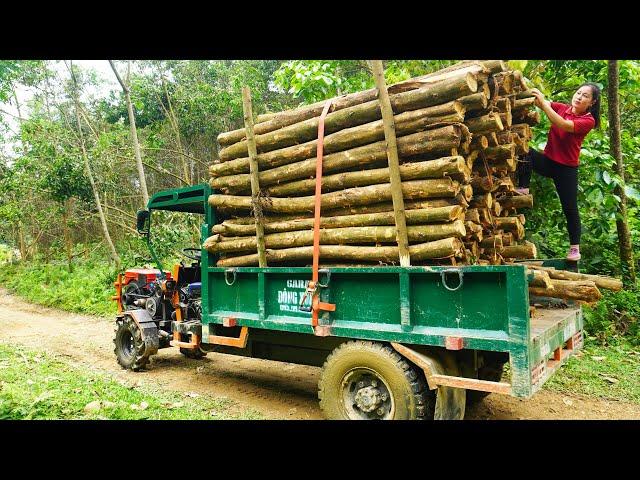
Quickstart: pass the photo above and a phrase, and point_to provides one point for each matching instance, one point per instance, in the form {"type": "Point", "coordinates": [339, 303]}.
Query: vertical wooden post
{"type": "Point", "coordinates": [253, 167]}
{"type": "Point", "coordinates": [394, 164]}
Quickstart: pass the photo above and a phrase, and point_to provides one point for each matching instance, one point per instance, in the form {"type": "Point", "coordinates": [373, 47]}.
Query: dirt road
{"type": "Point", "coordinates": [277, 390]}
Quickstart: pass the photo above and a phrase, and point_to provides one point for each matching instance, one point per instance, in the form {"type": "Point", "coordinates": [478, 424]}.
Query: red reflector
{"type": "Point", "coordinates": [453, 343]}
{"type": "Point", "coordinates": [229, 322]}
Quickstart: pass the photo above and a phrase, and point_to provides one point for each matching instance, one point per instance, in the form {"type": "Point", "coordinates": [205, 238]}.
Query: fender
{"type": "Point", "coordinates": [148, 328]}
{"type": "Point", "coordinates": [450, 401]}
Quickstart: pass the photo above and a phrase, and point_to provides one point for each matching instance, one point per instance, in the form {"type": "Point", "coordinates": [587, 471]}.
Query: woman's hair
{"type": "Point", "coordinates": [595, 108]}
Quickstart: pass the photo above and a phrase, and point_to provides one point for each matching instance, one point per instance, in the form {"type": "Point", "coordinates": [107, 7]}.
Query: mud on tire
{"type": "Point", "coordinates": [369, 380]}
{"type": "Point", "coordinates": [130, 349]}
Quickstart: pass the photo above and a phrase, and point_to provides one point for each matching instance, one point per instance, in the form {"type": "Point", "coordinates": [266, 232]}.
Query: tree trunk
{"type": "Point", "coordinates": [571, 290]}
{"type": "Point", "coordinates": [622, 225]}
{"type": "Point", "coordinates": [518, 201]}
{"type": "Point", "coordinates": [134, 138]}
{"type": "Point", "coordinates": [444, 248]}
{"type": "Point", "coordinates": [66, 212]}
{"type": "Point", "coordinates": [601, 281]}
{"type": "Point", "coordinates": [415, 189]}
{"type": "Point", "coordinates": [339, 236]}
{"type": "Point", "coordinates": [431, 142]}
{"type": "Point", "coordinates": [103, 221]}
{"type": "Point", "coordinates": [414, 217]}
{"type": "Point", "coordinates": [348, 138]}
{"type": "Point", "coordinates": [356, 115]}
{"type": "Point", "coordinates": [255, 185]}
{"type": "Point", "coordinates": [485, 124]}
{"type": "Point", "coordinates": [454, 167]}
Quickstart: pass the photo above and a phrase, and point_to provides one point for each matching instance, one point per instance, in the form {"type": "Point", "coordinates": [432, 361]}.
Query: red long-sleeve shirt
{"type": "Point", "coordinates": [564, 147]}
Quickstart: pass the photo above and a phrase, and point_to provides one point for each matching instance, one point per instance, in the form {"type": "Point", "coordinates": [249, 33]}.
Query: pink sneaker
{"type": "Point", "coordinates": [522, 191]}
{"type": "Point", "coordinates": [574, 254]}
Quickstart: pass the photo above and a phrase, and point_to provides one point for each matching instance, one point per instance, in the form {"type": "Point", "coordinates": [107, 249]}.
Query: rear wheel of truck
{"type": "Point", "coordinates": [130, 348]}
{"type": "Point", "coordinates": [370, 381]}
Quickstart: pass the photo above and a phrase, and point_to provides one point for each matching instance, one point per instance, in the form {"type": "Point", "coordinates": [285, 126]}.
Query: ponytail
{"type": "Point", "coordinates": [594, 110]}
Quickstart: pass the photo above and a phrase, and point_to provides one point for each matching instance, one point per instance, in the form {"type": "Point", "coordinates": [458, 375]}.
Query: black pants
{"type": "Point", "coordinates": [565, 179]}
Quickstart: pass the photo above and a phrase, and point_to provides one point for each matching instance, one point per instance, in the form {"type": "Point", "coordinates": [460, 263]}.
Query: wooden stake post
{"type": "Point", "coordinates": [253, 166]}
{"type": "Point", "coordinates": [394, 163]}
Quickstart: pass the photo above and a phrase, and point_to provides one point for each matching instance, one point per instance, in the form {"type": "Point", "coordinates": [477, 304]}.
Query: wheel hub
{"type": "Point", "coordinates": [368, 399]}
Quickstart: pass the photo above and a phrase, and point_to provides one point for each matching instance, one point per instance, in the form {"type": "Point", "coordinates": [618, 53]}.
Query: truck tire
{"type": "Point", "coordinates": [130, 349]}
{"type": "Point", "coordinates": [371, 381]}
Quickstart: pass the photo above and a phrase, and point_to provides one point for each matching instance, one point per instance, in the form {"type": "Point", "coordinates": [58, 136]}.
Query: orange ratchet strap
{"type": "Point", "coordinates": [316, 304]}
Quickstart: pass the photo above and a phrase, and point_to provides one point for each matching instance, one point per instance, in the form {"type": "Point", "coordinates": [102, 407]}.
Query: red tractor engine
{"type": "Point", "coordinates": [136, 285]}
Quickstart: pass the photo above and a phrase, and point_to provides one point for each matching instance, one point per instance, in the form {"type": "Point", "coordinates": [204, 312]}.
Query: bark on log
{"type": "Point", "coordinates": [454, 167]}
{"type": "Point", "coordinates": [414, 217]}
{"type": "Point", "coordinates": [600, 281]}
{"type": "Point", "coordinates": [476, 101]}
{"type": "Point", "coordinates": [501, 152]}
{"type": "Point", "coordinates": [479, 142]}
{"type": "Point", "coordinates": [484, 200]}
{"type": "Point", "coordinates": [270, 122]}
{"type": "Point", "coordinates": [528, 117]}
{"type": "Point", "coordinates": [485, 124]}
{"type": "Point", "coordinates": [510, 224]}
{"type": "Point", "coordinates": [428, 96]}
{"type": "Point", "coordinates": [430, 250]}
{"type": "Point", "coordinates": [585, 291]}
{"type": "Point", "coordinates": [493, 242]}
{"type": "Point", "coordinates": [524, 251]}
{"type": "Point", "coordinates": [339, 236]}
{"type": "Point", "coordinates": [540, 279]}
{"type": "Point", "coordinates": [522, 146]}
{"type": "Point", "coordinates": [524, 103]}
{"type": "Point", "coordinates": [430, 142]}
{"type": "Point", "coordinates": [522, 129]}
{"type": "Point", "coordinates": [415, 189]}
{"type": "Point", "coordinates": [517, 201]}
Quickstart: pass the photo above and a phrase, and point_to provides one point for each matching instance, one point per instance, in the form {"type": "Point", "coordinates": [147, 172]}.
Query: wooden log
{"type": "Point", "coordinates": [270, 122]}
{"type": "Point", "coordinates": [507, 238]}
{"type": "Point", "coordinates": [415, 189]}
{"type": "Point", "coordinates": [447, 247]}
{"type": "Point", "coordinates": [524, 103]}
{"type": "Point", "coordinates": [472, 215]}
{"type": "Point", "coordinates": [428, 143]}
{"type": "Point", "coordinates": [428, 96]}
{"type": "Point", "coordinates": [484, 184]}
{"type": "Point", "coordinates": [528, 117]}
{"type": "Point", "coordinates": [496, 209]}
{"type": "Point", "coordinates": [492, 242]}
{"type": "Point", "coordinates": [414, 217]}
{"type": "Point", "coordinates": [523, 130]}
{"type": "Point", "coordinates": [255, 186]}
{"type": "Point", "coordinates": [338, 236]}
{"type": "Point", "coordinates": [524, 251]}
{"type": "Point", "coordinates": [479, 142]}
{"type": "Point", "coordinates": [504, 82]}
{"type": "Point", "coordinates": [510, 224]}
{"type": "Point", "coordinates": [474, 102]}
{"type": "Point", "coordinates": [485, 124]}
{"type": "Point", "coordinates": [524, 94]}
{"type": "Point", "coordinates": [538, 278]}
{"type": "Point", "coordinates": [517, 201]}
{"type": "Point", "coordinates": [582, 290]}
{"type": "Point", "coordinates": [506, 119]}
{"type": "Point", "coordinates": [505, 137]}
{"type": "Point", "coordinates": [393, 173]}
{"type": "Point", "coordinates": [454, 167]}
{"type": "Point", "coordinates": [501, 152]}
{"type": "Point", "coordinates": [483, 200]}
{"type": "Point", "coordinates": [522, 146]}
{"type": "Point", "coordinates": [519, 83]}
{"type": "Point", "coordinates": [601, 281]}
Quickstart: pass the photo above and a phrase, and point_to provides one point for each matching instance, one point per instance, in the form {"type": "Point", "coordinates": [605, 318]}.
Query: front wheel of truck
{"type": "Point", "coordinates": [130, 349]}
{"type": "Point", "coordinates": [370, 381]}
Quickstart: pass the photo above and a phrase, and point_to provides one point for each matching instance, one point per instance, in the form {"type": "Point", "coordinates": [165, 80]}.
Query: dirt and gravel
{"type": "Point", "coordinates": [277, 390]}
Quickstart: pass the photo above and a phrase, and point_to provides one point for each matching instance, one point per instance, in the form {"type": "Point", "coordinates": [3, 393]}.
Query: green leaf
{"type": "Point", "coordinates": [606, 177]}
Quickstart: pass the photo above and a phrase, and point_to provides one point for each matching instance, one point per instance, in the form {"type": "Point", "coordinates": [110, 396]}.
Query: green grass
{"type": "Point", "coordinates": [611, 373]}
{"type": "Point", "coordinates": [86, 290]}
{"type": "Point", "coordinates": [39, 386]}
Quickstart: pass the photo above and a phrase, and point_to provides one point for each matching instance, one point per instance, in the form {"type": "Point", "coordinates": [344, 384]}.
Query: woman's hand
{"type": "Point", "coordinates": [540, 101]}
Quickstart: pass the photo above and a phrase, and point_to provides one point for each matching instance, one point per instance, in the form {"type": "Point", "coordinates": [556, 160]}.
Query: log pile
{"type": "Point", "coordinates": [457, 145]}
{"type": "Point", "coordinates": [459, 134]}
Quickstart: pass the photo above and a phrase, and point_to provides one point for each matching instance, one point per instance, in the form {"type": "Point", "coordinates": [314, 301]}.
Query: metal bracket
{"type": "Point", "coordinates": [226, 276]}
{"type": "Point", "coordinates": [443, 274]}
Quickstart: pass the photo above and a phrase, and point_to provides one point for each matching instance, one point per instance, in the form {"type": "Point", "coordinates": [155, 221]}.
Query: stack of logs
{"type": "Point", "coordinates": [460, 132]}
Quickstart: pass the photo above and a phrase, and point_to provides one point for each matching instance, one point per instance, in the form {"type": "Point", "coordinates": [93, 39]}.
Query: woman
{"type": "Point", "coordinates": [559, 161]}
